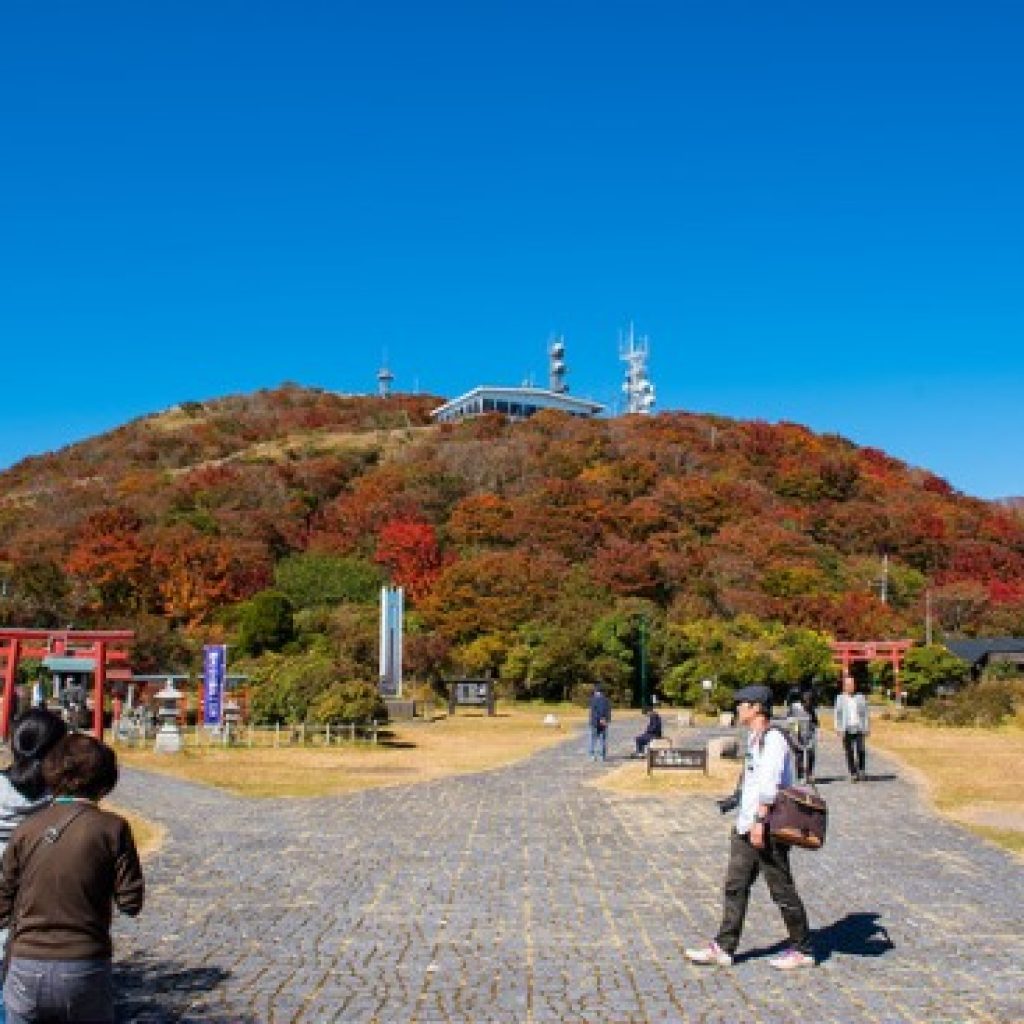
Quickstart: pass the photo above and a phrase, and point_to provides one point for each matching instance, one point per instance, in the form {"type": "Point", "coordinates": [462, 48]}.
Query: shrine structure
{"type": "Point", "coordinates": [102, 656]}
{"type": "Point", "coordinates": [846, 652]}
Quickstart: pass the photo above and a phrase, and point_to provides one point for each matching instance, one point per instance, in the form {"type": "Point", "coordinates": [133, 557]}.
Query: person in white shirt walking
{"type": "Point", "coordinates": [852, 726]}
{"type": "Point", "coordinates": [768, 767]}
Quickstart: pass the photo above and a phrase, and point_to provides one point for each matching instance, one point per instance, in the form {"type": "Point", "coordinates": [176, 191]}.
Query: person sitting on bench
{"type": "Point", "coordinates": [652, 732]}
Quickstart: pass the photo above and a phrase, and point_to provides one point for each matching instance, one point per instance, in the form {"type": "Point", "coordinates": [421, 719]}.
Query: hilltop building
{"type": "Point", "coordinates": [516, 403]}
{"type": "Point", "coordinates": [520, 403]}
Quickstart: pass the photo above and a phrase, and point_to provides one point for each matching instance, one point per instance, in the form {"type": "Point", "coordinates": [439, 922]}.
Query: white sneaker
{"type": "Point", "coordinates": [712, 953]}
{"type": "Point", "coordinates": [791, 960]}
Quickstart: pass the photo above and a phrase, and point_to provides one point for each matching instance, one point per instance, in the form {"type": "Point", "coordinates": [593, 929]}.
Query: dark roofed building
{"type": "Point", "coordinates": [981, 653]}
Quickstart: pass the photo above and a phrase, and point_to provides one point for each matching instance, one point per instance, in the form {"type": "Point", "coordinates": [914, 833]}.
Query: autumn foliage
{"type": "Point", "coordinates": [513, 541]}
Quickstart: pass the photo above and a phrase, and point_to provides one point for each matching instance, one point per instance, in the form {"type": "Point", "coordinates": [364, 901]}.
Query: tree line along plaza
{"type": "Point", "coordinates": [88, 675]}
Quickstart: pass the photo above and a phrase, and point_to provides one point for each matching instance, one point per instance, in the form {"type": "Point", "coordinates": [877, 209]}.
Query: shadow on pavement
{"type": "Point", "coordinates": [159, 992]}
{"type": "Point", "coordinates": [854, 935]}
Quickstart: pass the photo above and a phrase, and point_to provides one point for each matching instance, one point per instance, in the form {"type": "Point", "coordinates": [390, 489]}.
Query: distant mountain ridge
{"type": "Point", "coordinates": [180, 514]}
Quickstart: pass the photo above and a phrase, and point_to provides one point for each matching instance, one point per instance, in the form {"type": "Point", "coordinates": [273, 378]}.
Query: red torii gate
{"type": "Point", "coordinates": [845, 652]}
{"type": "Point", "coordinates": [108, 650]}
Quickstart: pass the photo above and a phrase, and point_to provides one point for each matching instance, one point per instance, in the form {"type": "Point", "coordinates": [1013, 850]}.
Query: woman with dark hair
{"type": "Point", "coordinates": [63, 871]}
{"type": "Point", "coordinates": [22, 788]}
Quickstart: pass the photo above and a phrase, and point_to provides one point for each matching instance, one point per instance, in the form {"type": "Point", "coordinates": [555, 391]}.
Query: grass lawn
{"type": "Point", "coordinates": [148, 835]}
{"type": "Point", "coordinates": [631, 779]}
{"type": "Point", "coordinates": [971, 775]}
{"type": "Point", "coordinates": [411, 752]}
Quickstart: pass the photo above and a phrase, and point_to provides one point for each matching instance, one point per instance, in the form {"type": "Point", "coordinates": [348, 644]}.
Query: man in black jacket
{"type": "Point", "coordinates": [652, 732]}
{"type": "Point", "coordinates": [600, 716]}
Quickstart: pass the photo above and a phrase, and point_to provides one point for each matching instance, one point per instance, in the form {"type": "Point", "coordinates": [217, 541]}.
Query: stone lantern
{"type": "Point", "coordinates": [232, 719]}
{"type": "Point", "coordinates": [168, 737]}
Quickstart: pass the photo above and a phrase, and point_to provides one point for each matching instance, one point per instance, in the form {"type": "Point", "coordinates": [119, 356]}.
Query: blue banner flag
{"type": "Point", "coordinates": [215, 659]}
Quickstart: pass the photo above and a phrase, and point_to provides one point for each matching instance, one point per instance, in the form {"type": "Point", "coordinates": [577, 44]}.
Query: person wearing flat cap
{"type": "Point", "coordinates": [767, 768]}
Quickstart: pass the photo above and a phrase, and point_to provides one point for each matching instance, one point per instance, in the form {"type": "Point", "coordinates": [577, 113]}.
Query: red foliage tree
{"type": "Point", "coordinates": [411, 553]}
{"type": "Point", "coordinates": [112, 559]}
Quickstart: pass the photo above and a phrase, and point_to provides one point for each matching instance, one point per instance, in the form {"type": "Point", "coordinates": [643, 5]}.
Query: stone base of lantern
{"type": "Point", "coordinates": [168, 741]}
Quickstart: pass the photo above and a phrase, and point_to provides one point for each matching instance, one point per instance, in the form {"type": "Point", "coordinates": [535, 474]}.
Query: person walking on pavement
{"type": "Point", "coordinates": [767, 768]}
{"type": "Point", "coordinates": [64, 870]}
{"type": "Point", "coordinates": [600, 716]}
{"type": "Point", "coordinates": [22, 789]}
{"type": "Point", "coordinates": [852, 725]}
{"type": "Point", "coordinates": [802, 717]}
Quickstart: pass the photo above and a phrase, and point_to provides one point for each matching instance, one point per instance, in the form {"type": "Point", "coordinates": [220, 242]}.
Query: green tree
{"type": "Point", "coordinates": [265, 623]}
{"type": "Point", "coordinates": [741, 652]}
{"type": "Point", "coordinates": [925, 669]}
{"type": "Point", "coordinates": [315, 578]}
{"type": "Point", "coordinates": [349, 702]}
{"type": "Point", "coordinates": [284, 687]}
{"type": "Point", "coordinates": [485, 655]}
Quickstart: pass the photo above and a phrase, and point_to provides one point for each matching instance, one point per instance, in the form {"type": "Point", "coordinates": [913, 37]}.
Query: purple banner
{"type": "Point", "coordinates": [215, 659]}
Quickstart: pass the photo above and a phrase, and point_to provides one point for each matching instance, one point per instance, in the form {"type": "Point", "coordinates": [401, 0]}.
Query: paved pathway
{"type": "Point", "coordinates": [523, 895]}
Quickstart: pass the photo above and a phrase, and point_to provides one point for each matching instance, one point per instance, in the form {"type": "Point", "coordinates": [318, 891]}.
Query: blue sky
{"type": "Point", "coordinates": [814, 211]}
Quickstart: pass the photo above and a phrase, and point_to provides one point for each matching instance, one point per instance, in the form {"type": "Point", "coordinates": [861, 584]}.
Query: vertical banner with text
{"type": "Point", "coordinates": [215, 659]}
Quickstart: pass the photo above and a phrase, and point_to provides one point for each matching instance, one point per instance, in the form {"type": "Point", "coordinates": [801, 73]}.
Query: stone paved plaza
{"type": "Point", "coordinates": [525, 895]}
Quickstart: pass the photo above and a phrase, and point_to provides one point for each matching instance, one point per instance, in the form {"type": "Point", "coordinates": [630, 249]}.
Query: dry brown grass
{"type": "Point", "coordinates": [631, 779]}
{"type": "Point", "coordinates": [416, 752]}
{"type": "Point", "coordinates": [149, 836]}
{"type": "Point", "coordinates": [971, 775]}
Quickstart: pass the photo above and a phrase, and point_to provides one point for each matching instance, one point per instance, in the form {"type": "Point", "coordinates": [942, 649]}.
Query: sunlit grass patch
{"type": "Point", "coordinates": [966, 772]}
{"type": "Point", "coordinates": [469, 741]}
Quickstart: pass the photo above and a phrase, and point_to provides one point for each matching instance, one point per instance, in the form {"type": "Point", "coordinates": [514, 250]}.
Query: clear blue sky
{"type": "Point", "coordinates": [815, 211]}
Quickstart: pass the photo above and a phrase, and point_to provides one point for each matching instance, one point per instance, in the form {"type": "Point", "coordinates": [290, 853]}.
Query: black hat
{"type": "Point", "coordinates": [754, 695]}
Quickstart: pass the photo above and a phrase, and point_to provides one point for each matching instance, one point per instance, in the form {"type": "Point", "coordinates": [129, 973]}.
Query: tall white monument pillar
{"type": "Point", "coordinates": [392, 610]}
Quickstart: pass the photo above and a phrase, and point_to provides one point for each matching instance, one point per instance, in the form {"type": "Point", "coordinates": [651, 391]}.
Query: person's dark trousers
{"type": "Point", "coordinates": [805, 763]}
{"type": "Point", "coordinates": [853, 744]}
{"type": "Point", "coordinates": [745, 863]}
{"type": "Point", "coordinates": [641, 742]}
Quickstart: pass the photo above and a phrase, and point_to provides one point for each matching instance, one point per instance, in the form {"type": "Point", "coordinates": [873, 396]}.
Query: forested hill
{"type": "Point", "coordinates": [492, 526]}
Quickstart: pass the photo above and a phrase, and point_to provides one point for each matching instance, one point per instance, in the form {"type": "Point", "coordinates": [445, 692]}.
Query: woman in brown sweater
{"type": "Point", "coordinates": [63, 871]}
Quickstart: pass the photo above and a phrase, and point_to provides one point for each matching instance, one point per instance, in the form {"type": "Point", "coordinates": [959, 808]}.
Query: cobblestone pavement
{"type": "Point", "coordinates": [524, 895]}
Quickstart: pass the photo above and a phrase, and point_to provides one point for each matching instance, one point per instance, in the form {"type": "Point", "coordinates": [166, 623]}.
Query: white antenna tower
{"type": "Point", "coordinates": [638, 389]}
{"type": "Point", "coordinates": [556, 367]}
{"type": "Point", "coordinates": [384, 379]}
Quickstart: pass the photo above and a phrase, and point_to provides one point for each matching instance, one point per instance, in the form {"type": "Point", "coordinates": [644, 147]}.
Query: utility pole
{"type": "Point", "coordinates": [643, 662]}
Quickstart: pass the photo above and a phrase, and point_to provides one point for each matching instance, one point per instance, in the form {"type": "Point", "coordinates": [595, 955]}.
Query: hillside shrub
{"type": "Point", "coordinates": [265, 623]}
{"type": "Point", "coordinates": [986, 704]}
{"type": "Point", "coordinates": [349, 702]}
{"type": "Point", "coordinates": [315, 578]}
{"type": "Point", "coordinates": [284, 687]}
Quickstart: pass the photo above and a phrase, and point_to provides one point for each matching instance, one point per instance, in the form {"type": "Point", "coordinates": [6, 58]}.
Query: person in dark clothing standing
{"type": "Point", "coordinates": [768, 767]}
{"type": "Point", "coordinates": [600, 716]}
{"type": "Point", "coordinates": [63, 871]}
{"type": "Point", "coordinates": [652, 732]}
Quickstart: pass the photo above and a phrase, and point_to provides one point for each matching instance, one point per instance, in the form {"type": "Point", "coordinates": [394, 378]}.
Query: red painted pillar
{"type": "Point", "coordinates": [10, 674]}
{"type": "Point", "coordinates": [100, 652]}
{"type": "Point", "coordinates": [896, 672]}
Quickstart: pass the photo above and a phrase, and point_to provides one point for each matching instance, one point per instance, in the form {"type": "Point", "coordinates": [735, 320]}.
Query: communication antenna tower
{"type": "Point", "coordinates": [384, 379]}
{"type": "Point", "coordinates": [638, 389]}
{"type": "Point", "coordinates": [557, 369]}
